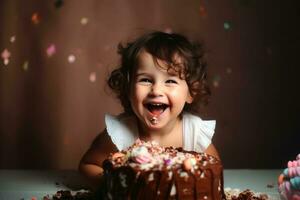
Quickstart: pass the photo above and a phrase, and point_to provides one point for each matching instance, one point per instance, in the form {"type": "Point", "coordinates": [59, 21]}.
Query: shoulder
{"type": "Point", "coordinates": [191, 118]}
{"type": "Point", "coordinates": [197, 133]}
{"type": "Point", "coordinates": [211, 150]}
{"type": "Point", "coordinates": [122, 129]}
{"type": "Point", "coordinates": [100, 149]}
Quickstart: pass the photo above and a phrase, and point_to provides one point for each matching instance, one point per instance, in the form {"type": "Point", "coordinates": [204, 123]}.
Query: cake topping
{"type": "Point", "coordinates": [149, 155]}
{"type": "Point", "coordinates": [140, 155]}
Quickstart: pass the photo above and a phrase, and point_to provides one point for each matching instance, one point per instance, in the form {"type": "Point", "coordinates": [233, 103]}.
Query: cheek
{"type": "Point", "coordinates": [136, 94]}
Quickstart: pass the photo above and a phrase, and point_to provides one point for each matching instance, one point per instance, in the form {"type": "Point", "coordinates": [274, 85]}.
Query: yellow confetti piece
{"type": "Point", "coordinates": [25, 66]}
{"type": "Point", "coordinates": [84, 21]}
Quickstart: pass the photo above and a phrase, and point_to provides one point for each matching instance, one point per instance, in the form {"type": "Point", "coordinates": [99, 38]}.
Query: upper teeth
{"type": "Point", "coordinates": [157, 104]}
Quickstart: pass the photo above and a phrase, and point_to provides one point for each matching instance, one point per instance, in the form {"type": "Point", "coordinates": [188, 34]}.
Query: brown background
{"type": "Point", "coordinates": [50, 112]}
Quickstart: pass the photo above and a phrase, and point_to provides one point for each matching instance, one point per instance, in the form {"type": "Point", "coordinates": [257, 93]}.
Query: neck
{"type": "Point", "coordinates": [171, 130]}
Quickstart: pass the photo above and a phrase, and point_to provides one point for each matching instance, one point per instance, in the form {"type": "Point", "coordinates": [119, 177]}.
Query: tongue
{"type": "Point", "coordinates": [156, 111]}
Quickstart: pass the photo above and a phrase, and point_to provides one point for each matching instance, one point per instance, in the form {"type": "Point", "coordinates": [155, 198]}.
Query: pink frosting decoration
{"type": "Point", "coordinates": [141, 155]}
{"type": "Point", "coordinates": [294, 171]}
{"type": "Point", "coordinates": [289, 181]}
{"type": "Point", "coordinates": [142, 159]}
{"type": "Point", "coordinates": [294, 163]}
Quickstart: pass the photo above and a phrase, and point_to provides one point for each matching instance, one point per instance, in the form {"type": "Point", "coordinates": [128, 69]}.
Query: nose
{"type": "Point", "coordinates": [156, 90]}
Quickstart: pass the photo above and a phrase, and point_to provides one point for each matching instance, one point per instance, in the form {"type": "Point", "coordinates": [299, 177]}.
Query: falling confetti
{"type": "Point", "coordinates": [168, 30]}
{"type": "Point", "coordinates": [71, 58]}
{"type": "Point", "coordinates": [84, 21]}
{"type": "Point", "coordinates": [51, 50]}
{"type": "Point", "coordinates": [93, 77]}
{"type": "Point", "coordinates": [5, 55]}
{"type": "Point", "coordinates": [35, 18]}
{"type": "Point", "coordinates": [58, 3]}
{"type": "Point", "coordinates": [12, 39]}
{"type": "Point", "coordinates": [25, 66]}
{"type": "Point", "coordinates": [202, 11]}
{"type": "Point", "coordinates": [228, 70]}
{"type": "Point", "coordinates": [216, 81]}
{"type": "Point", "coordinates": [227, 26]}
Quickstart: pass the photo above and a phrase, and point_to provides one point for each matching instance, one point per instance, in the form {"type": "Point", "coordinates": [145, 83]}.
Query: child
{"type": "Point", "coordinates": [161, 81]}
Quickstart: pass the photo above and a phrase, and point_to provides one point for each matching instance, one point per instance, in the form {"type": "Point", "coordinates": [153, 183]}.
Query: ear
{"type": "Point", "coordinates": [189, 99]}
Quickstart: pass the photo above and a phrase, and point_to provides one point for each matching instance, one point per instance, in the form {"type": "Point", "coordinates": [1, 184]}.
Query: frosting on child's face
{"type": "Point", "coordinates": [157, 96]}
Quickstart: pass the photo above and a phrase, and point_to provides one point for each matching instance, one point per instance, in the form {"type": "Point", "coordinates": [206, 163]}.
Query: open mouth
{"type": "Point", "coordinates": [156, 108]}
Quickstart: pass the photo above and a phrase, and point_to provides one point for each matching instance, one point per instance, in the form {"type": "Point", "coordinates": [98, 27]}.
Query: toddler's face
{"type": "Point", "coordinates": [156, 93]}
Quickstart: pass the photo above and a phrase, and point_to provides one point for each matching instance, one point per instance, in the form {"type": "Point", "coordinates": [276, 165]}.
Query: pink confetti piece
{"type": "Point", "coordinates": [93, 77]}
{"type": "Point", "coordinates": [35, 18]}
{"type": "Point", "coordinates": [51, 50]}
{"type": "Point", "coordinates": [71, 58]}
{"type": "Point", "coordinates": [5, 55]}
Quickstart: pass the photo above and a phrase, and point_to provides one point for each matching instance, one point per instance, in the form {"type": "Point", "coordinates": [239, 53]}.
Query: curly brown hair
{"type": "Point", "coordinates": [163, 46]}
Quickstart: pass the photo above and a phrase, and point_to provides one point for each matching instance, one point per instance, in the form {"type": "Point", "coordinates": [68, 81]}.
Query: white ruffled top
{"type": "Point", "coordinates": [197, 133]}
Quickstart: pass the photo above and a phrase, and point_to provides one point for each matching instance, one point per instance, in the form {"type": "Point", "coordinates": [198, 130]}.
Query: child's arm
{"type": "Point", "coordinates": [211, 150]}
{"type": "Point", "coordinates": [91, 162]}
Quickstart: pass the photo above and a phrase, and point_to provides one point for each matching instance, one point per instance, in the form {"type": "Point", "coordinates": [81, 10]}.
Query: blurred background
{"type": "Point", "coordinates": [57, 54]}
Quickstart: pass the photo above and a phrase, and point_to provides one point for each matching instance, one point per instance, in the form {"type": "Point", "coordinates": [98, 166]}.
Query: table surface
{"type": "Point", "coordinates": [27, 184]}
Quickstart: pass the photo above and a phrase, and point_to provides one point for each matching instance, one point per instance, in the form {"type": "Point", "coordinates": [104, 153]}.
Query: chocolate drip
{"type": "Point", "coordinates": [202, 182]}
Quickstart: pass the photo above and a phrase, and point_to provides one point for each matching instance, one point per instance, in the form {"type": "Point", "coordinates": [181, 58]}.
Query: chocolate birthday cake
{"type": "Point", "coordinates": [147, 171]}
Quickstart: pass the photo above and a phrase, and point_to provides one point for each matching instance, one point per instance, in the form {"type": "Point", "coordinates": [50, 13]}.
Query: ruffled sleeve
{"type": "Point", "coordinates": [197, 133]}
{"type": "Point", "coordinates": [122, 130]}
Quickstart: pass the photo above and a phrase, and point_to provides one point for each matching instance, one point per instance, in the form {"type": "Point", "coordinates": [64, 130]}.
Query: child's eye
{"type": "Point", "coordinates": [145, 80]}
{"type": "Point", "coordinates": [171, 81]}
